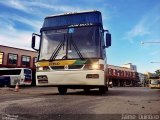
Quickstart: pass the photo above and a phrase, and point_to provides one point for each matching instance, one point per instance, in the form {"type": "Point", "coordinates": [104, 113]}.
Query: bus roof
{"type": "Point", "coordinates": [72, 13]}
{"type": "Point", "coordinates": [12, 68]}
{"type": "Point", "coordinates": [73, 19]}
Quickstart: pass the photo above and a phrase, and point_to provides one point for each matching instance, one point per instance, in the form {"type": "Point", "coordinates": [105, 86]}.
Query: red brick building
{"type": "Point", "coordinates": [11, 57]}
{"type": "Point", "coordinates": [122, 76]}
{"type": "Point", "coordinates": [16, 57]}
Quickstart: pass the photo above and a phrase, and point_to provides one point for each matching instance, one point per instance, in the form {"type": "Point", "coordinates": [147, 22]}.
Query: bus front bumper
{"type": "Point", "coordinates": [57, 78]}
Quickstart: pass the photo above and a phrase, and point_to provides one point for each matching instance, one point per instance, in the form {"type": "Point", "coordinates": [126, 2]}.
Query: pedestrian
{"type": "Point", "coordinates": [110, 84]}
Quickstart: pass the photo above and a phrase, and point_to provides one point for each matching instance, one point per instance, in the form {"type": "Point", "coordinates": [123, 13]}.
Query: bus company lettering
{"type": "Point", "coordinates": [54, 63]}
{"type": "Point", "coordinates": [77, 25]}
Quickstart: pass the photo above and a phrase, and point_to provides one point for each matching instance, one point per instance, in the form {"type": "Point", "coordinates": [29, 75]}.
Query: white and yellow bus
{"type": "Point", "coordinates": [72, 52]}
{"type": "Point", "coordinates": [154, 83]}
{"type": "Point", "coordinates": [11, 76]}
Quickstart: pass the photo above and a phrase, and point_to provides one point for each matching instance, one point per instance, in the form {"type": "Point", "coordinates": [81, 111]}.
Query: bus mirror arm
{"type": "Point", "coordinates": [104, 47]}
{"type": "Point", "coordinates": [34, 41]}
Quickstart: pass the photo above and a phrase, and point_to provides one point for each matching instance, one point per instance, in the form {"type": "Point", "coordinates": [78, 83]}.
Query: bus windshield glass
{"type": "Point", "coordinates": [154, 82]}
{"type": "Point", "coordinates": [74, 43]}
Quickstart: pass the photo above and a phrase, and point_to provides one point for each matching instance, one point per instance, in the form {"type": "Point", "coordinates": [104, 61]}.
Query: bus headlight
{"type": "Point", "coordinates": [46, 68]}
{"type": "Point", "coordinates": [94, 67]}
{"type": "Point", "coordinates": [40, 68]}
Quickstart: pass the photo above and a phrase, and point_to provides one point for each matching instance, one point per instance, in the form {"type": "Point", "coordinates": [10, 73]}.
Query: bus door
{"type": "Point", "coordinates": [27, 76]}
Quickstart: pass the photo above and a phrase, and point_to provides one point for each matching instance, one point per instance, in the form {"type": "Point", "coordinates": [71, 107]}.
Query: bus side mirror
{"type": "Point", "coordinates": [108, 39]}
{"type": "Point", "coordinates": [33, 41]}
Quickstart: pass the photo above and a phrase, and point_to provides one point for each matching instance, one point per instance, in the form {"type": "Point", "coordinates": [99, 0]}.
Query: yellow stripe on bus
{"type": "Point", "coordinates": [56, 63]}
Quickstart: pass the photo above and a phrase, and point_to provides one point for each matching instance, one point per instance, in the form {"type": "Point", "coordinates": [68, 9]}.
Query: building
{"type": "Point", "coordinates": [122, 76]}
{"type": "Point", "coordinates": [130, 66]}
{"type": "Point", "coordinates": [11, 57]}
{"type": "Point", "coordinates": [15, 57]}
{"type": "Point", "coordinates": [142, 79]}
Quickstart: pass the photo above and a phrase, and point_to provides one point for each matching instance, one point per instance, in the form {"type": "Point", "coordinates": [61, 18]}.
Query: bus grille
{"type": "Point", "coordinates": [75, 66]}
{"type": "Point", "coordinates": [69, 67]}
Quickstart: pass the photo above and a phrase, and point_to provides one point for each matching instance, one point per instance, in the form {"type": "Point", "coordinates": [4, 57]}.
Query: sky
{"type": "Point", "coordinates": [129, 21]}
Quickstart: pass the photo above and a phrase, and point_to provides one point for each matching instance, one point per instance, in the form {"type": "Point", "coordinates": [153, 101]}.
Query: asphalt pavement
{"type": "Point", "coordinates": [45, 103]}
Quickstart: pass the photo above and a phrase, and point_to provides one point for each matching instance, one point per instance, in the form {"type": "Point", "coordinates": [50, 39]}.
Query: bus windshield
{"type": "Point", "coordinates": [71, 43]}
{"type": "Point", "coordinates": [154, 82]}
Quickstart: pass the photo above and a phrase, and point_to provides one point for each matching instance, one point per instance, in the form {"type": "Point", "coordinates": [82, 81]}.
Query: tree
{"type": "Point", "coordinates": [157, 72]}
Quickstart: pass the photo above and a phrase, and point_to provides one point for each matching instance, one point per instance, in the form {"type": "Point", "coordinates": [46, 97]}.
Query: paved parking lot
{"type": "Point", "coordinates": [45, 102]}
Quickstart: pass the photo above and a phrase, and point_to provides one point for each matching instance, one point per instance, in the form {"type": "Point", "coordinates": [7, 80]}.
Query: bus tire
{"type": "Point", "coordinates": [62, 90]}
{"type": "Point", "coordinates": [102, 90]}
{"type": "Point", "coordinates": [106, 88]}
{"type": "Point", "coordinates": [86, 90]}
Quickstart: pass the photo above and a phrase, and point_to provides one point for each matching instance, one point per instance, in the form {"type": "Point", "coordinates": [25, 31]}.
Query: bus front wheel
{"type": "Point", "coordinates": [106, 88]}
{"type": "Point", "coordinates": [62, 90]}
{"type": "Point", "coordinates": [102, 90]}
{"type": "Point", "coordinates": [86, 90]}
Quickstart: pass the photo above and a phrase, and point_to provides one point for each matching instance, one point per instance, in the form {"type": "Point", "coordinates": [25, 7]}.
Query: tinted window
{"type": "Point", "coordinates": [81, 40]}
{"type": "Point", "coordinates": [26, 61]}
{"type": "Point", "coordinates": [73, 19]}
{"type": "Point", "coordinates": [27, 71]}
{"type": "Point", "coordinates": [12, 59]}
{"type": "Point", "coordinates": [10, 72]}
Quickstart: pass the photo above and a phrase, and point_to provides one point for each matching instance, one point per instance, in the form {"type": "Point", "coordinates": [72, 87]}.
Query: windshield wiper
{"type": "Point", "coordinates": [58, 48]}
{"type": "Point", "coordinates": [76, 48]}
{"type": "Point", "coordinates": [56, 51]}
